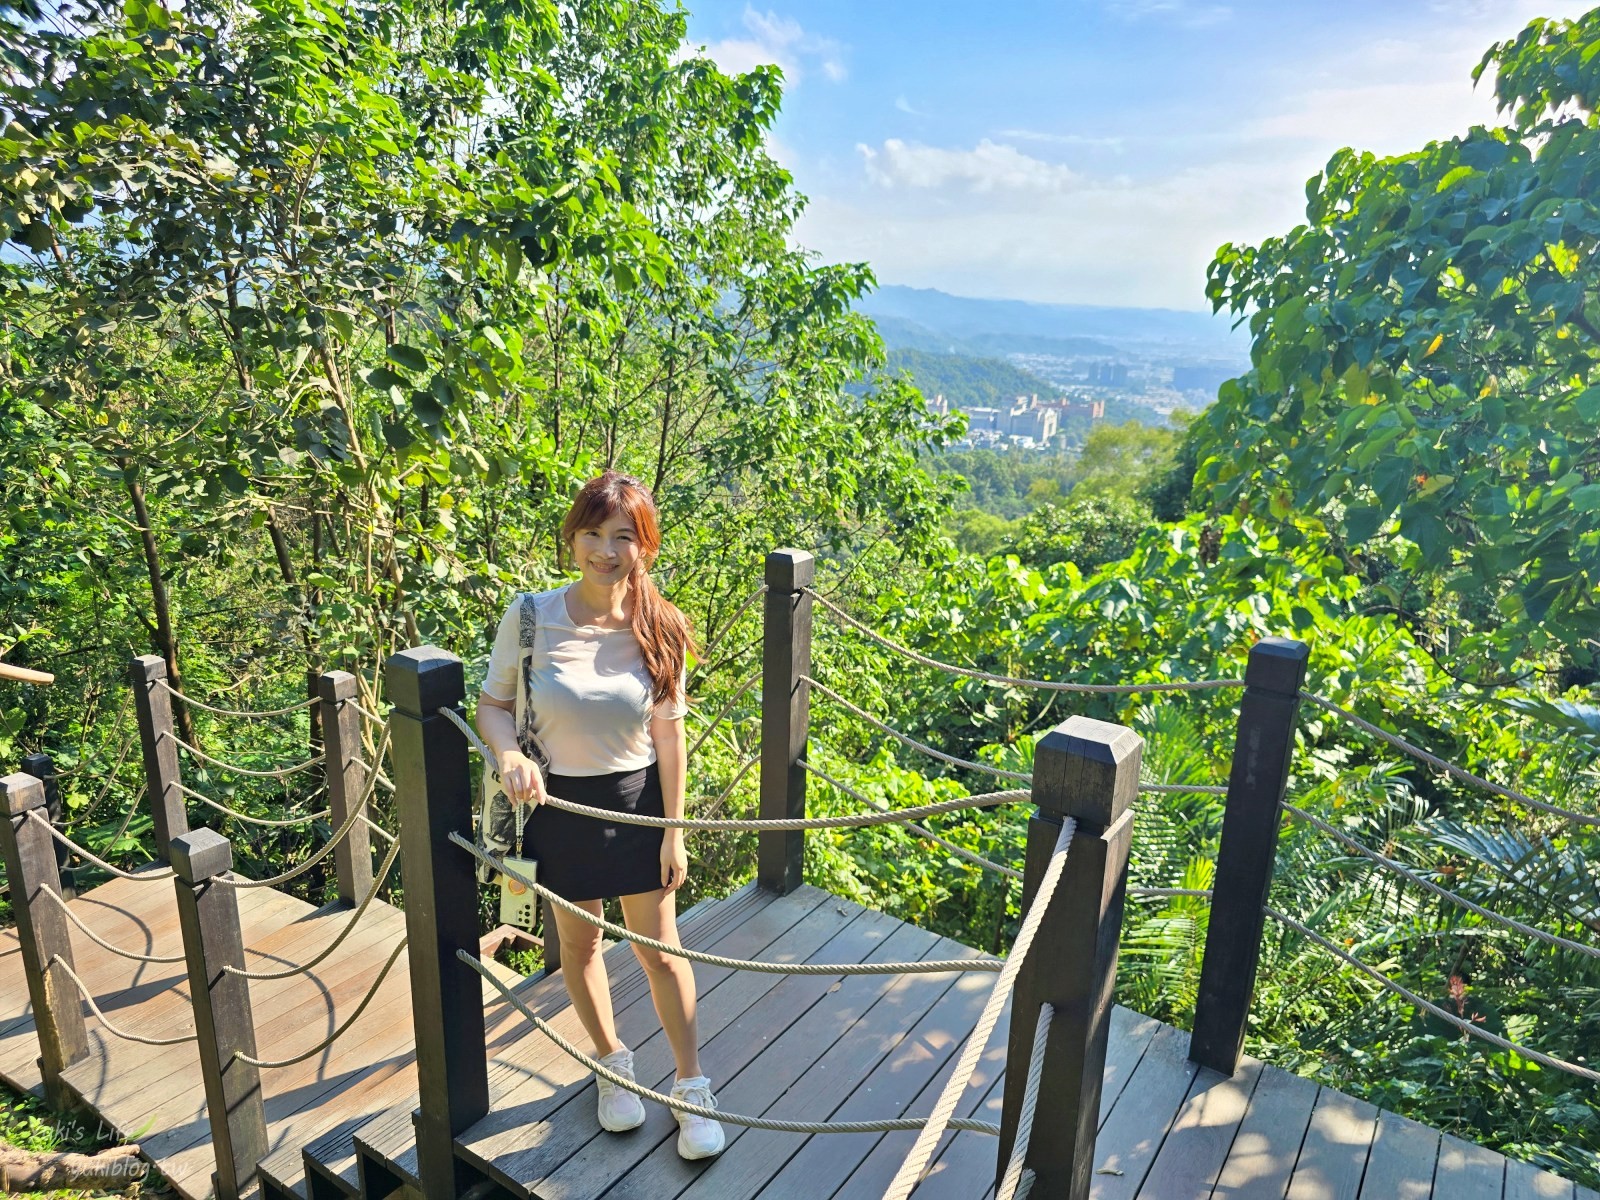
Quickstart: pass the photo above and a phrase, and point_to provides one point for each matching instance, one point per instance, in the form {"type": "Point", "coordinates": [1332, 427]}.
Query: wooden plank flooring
{"type": "Point", "coordinates": [792, 1046]}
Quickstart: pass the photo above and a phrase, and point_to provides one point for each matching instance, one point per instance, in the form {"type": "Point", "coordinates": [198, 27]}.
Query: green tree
{"type": "Point", "coordinates": [1425, 398]}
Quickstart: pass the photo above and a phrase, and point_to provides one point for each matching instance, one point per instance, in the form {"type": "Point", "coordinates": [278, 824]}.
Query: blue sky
{"type": "Point", "coordinates": [1092, 151]}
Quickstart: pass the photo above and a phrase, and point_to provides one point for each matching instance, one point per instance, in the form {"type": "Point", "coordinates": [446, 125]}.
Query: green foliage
{"type": "Point", "coordinates": [1423, 395]}
{"type": "Point", "coordinates": [969, 382]}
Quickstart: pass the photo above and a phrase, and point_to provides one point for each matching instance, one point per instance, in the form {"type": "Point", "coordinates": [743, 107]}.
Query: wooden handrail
{"type": "Point", "coordinates": [26, 675]}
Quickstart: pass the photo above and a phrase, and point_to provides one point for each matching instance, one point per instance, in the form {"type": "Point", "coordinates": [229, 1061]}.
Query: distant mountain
{"type": "Point", "coordinates": [961, 323]}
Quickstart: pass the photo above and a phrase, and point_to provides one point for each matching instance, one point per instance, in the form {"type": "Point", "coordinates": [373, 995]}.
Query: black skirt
{"type": "Point", "coordinates": [586, 858]}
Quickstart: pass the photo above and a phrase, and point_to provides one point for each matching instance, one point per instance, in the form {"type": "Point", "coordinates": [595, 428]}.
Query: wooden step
{"type": "Point", "coordinates": [383, 1152]}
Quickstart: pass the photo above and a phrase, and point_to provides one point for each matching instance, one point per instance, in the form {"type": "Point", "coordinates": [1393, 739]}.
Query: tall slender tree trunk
{"type": "Point", "coordinates": [166, 636]}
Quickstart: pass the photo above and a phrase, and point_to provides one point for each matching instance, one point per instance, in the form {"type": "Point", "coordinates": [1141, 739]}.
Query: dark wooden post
{"type": "Point", "coordinates": [347, 782]}
{"type": "Point", "coordinates": [1088, 770]}
{"type": "Point", "coordinates": [161, 775]}
{"type": "Point", "coordinates": [30, 860]}
{"type": "Point", "coordinates": [433, 793]}
{"type": "Point", "coordinates": [1262, 751]}
{"type": "Point", "coordinates": [43, 769]}
{"type": "Point", "coordinates": [551, 935]}
{"type": "Point", "coordinates": [208, 915]}
{"type": "Point", "coordinates": [785, 716]}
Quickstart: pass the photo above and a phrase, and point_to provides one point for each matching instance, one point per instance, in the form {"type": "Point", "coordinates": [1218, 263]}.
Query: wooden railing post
{"type": "Point", "coordinates": [208, 915]}
{"type": "Point", "coordinates": [154, 706]}
{"type": "Point", "coordinates": [1262, 752]}
{"type": "Point", "coordinates": [347, 782]}
{"type": "Point", "coordinates": [30, 859]}
{"type": "Point", "coordinates": [433, 792]}
{"type": "Point", "coordinates": [1087, 770]}
{"type": "Point", "coordinates": [42, 768]}
{"type": "Point", "coordinates": [785, 716]}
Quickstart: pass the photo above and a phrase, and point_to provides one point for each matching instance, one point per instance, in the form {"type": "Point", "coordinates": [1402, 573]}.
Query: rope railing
{"type": "Point", "coordinates": [890, 1125]}
{"type": "Point", "coordinates": [276, 773]}
{"type": "Point", "coordinates": [738, 778]}
{"type": "Point", "coordinates": [907, 740]}
{"type": "Point", "coordinates": [922, 830]}
{"type": "Point", "coordinates": [349, 928]}
{"type": "Point", "coordinates": [230, 712]}
{"type": "Point", "coordinates": [1011, 1181]}
{"type": "Point", "coordinates": [271, 1064]}
{"type": "Point", "coordinates": [1421, 881]}
{"type": "Point", "coordinates": [1102, 689]}
{"type": "Point", "coordinates": [1449, 768]}
{"type": "Point", "coordinates": [1186, 789]}
{"type": "Point", "coordinates": [924, 967]}
{"type": "Point", "coordinates": [727, 626]}
{"type": "Point", "coordinates": [322, 852]}
{"type": "Point", "coordinates": [101, 942]}
{"type": "Point", "coordinates": [376, 828]}
{"type": "Point", "coordinates": [1465, 1026]}
{"type": "Point", "coordinates": [1165, 893]}
{"type": "Point", "coordinates": [87, 856]}
{"type": "Point", "coordinates": [246, 817]}
{"type": "Point", "coordinates": [726, 709]}
{"type": "Point", "coordinates": [859, 820]}
{"type": "Point", "coordinates": [910, 1172]}
{"type": "Point", "coordinates": [114, 1030]}
{"type": "Point", "coordinates": [371, 717]}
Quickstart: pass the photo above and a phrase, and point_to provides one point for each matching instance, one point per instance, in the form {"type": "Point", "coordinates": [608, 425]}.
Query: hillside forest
{"type": "Point", "coordinates": [313, 316]}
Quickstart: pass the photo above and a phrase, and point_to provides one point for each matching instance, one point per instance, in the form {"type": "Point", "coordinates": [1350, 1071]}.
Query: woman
{"type": "Point", "coordinates": [604, 684]}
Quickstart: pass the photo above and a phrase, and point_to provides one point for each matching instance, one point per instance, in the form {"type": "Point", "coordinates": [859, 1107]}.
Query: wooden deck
{"type": "Point", "coordinates": [801, 1047]}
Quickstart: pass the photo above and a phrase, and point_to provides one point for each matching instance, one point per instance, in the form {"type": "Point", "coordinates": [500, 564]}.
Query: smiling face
{"type": "Point", "coordinates": [606, 552]}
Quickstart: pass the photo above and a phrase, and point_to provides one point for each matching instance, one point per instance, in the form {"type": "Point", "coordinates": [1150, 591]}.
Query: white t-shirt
{"type": "Point", "coordinates": [591, 694]}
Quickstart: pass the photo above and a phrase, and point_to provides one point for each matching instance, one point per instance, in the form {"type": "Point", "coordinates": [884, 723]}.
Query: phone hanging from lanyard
{"type": "Point", "coordinates": [519, 905]}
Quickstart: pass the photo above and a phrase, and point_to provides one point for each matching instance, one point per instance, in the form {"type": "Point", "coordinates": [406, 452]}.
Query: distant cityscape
{"type": "Point", "coordinates": [1039, 377]}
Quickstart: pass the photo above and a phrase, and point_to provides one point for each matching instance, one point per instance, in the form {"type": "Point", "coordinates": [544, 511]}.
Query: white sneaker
{"type": "Point", "coordinates": [698, 1137]}
{"type": "Point", "coordinates": [619, 1109]}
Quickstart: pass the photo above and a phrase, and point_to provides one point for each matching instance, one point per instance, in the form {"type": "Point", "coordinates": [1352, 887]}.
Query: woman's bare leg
{"type": "Point", "coordinates": [655, 915]}
{"type": "Point", "coordinates": [583, 968]}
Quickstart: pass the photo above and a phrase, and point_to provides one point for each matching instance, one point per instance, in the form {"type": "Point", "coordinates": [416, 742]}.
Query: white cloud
{"type": "Point", "coordinates": [904, 105]}
{"type": "Point", "coordinates": [781, 41]}
{"type": "Point", "coordinates": [994, 220]}
{"type": "Point", "coordinates": [1063, 139]}
{"type": "Point", "coordinates": [1177, 12]}
{"type": "Point", "coordinates": [986, 168]}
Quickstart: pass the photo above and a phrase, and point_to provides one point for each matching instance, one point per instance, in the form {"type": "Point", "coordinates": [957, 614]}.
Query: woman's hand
{"type": "Point", "coordinates": [674, 860]}
{"type": "Point", "coordinates": [521, 778]}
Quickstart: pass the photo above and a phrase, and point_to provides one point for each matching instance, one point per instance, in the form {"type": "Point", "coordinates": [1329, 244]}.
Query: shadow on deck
{"type": "Point", "coordinates": [795, 1047]}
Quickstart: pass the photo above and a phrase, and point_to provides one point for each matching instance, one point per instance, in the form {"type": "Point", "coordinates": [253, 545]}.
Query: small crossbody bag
{"type": "Point", "coordinates": [502, 822]}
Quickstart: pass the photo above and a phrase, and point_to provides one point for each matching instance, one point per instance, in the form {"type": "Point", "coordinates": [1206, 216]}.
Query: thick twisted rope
{"type": "Point", "coordinates": [272, 1064]}
{"type": "Point", "coordinates": [1391, 865]}
{"type": "Point", "coordinates": [906, 740]}
{"type": "Point", "coordinates": [372, 717]}
{"type": "Point", "coordinates": [349, 927]}
{"type": "Point", "coordinates": [102, 943]}
{"type": "Point", "coordinates": [246, 817]}
{"type": "Point", "coordinates": [1432, 1009]}
{"type": "Point", "coordinates": [1108, 689]}
{"type": "Point", "coordinates": [910, 1172]}
{"type": "Point", "coordinates": [738, 778]}
{"type": "Point", "coordinates": [1026, 1185]}
{"type": "Point", "coordinates": [83, 990]}
{"type": "Point", "coordinates": [1449, 768]}
{"type": "Point", "coordinates": [922, 830]}
{"type": "Point", "coordinates": [236, 881]}
{"type": "Point", "coordinates": [726, 709]}
{"type": "Point", "coordinates": [230, 712]}
{"type": "Point", "coordinates": [376, 828]}
{"type": "Point", "coordinates": [727, 626]}
{"type": "Point", "coordinates": [1011, 1181]}
{"type": "Point", "coordinates": [925, 967]}
{"type": "Point", "coordinates": [892, 1125]}
{"type": "Point", "coordinates": [1192, 789]}
{"type": "Point", "coordinates": [118, 872]}
{"type": "Point", "coordinates": [858, 820]}
{"type": "Point", "coordinates": [278, 773]}
{"type": "Point", "coordinates": [1156, 892]}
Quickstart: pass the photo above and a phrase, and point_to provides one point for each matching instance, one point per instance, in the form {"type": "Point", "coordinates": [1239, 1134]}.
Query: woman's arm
{"type": "Point", "coordinates": [519, 774]}
{"type": "Point", "coordinates": [672, 761]}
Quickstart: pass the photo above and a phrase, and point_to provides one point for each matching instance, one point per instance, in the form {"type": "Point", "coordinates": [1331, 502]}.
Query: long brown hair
{"type": "Point", "coordinates": [663, 631]}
